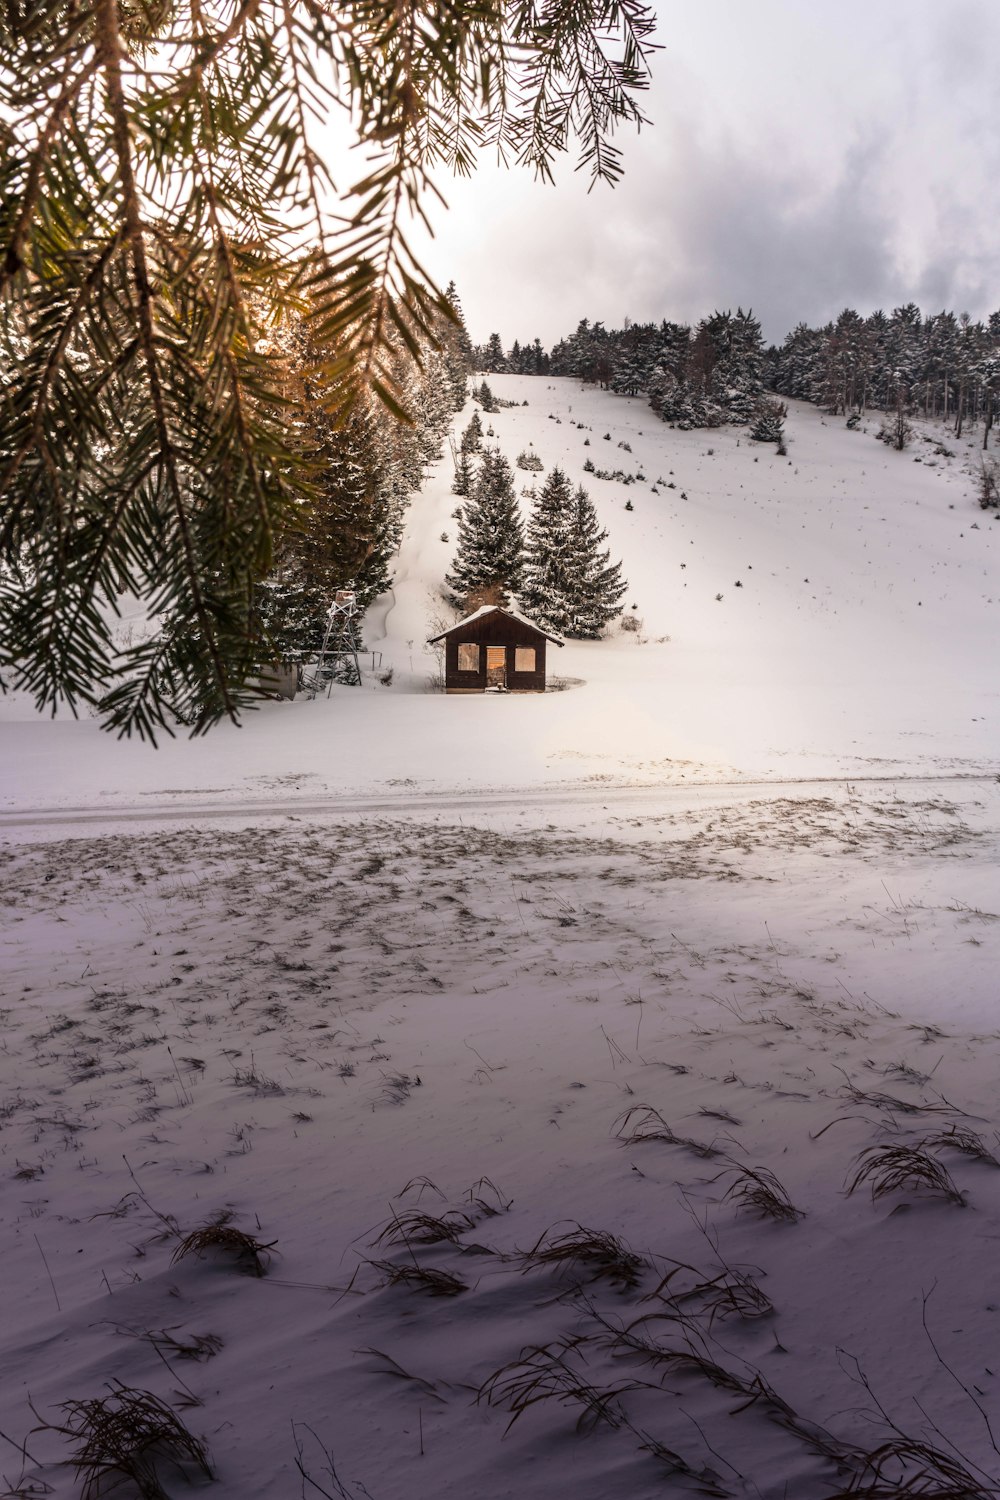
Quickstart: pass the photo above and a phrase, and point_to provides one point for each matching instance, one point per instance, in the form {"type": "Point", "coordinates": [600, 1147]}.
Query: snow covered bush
{"type": "Point", "coordinates": [768, 424]}
{"type": "Point", "coordinates": [989, 484]}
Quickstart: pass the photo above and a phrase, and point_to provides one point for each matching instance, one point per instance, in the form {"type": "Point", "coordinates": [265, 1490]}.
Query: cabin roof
{"type": "Point", "coordinates": [495, 609]}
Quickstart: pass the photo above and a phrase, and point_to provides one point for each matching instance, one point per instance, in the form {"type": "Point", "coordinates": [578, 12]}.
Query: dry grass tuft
{"type": "Point", "coordinates": [893, 1104]}
{"type": "Point", "coordinates": [194, 1346]}
{"type": "Point", "coordinates": [732, 1294]}
{"type": "Point", "coordinates": [251, 1078]}
{"type": "Point", "coordinates": [757, 1190]}
{"type": "Point", "coordinates": [485, 1196]}
{"type": "Point", "coordinates": [415, 1228]}
{"type": "Point", "coordinates": [959, 1138]}
{"type": "Point", "coordinates": [895, 1169]}
{"type": "Point", "coordinates": [642, 1123]}
{"type": "Point", "coordinates": [127, 1435]}
{"type": "Point", "coordinates": [544, 1372]}
{"type": "Point", "coordinates": [603, 1256]}
{"type": "Point", "coordinates": [907, 1470]}
{"type": "Point", "coordinates": [430, 1279]}
{"type": "Point", "coordinates": [249, 1253]}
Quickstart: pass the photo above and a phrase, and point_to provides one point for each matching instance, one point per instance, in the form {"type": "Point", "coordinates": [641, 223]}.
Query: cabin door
{"type": "Point", "coordinates": [496, 666]}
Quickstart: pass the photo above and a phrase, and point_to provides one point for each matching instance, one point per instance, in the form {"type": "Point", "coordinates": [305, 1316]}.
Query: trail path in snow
{"type": "Point", "coordinates": [414, 803]}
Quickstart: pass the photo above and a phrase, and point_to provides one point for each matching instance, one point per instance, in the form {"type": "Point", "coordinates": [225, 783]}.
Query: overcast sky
{"type": "Point", "coordinates": [802, 157]}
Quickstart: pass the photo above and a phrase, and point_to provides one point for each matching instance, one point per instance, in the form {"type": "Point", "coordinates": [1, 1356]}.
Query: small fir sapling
{"type": "Point", "coordinates": [464, 474]}
{"type": "Point", "coordinates": [472, 437]}
{"type": "Point", "coordinates": [768, 425]}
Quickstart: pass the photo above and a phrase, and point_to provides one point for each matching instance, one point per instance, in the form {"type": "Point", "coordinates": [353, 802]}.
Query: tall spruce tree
{"type": "Point", "coordinates": [457, 348]}
{"type": "Point", "coordinates": [549, 567]}
{"type": "Point", "coordinates": [344, 537]}
{"type": "Point", "coordinates": [490, 536]}
{"type": "Point", "coordinates": [494, 359]}
{"type": "Point", "coordinates": [595, 586]}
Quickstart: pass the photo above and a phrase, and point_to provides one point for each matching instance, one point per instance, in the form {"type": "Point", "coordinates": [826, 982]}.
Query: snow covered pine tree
{"type": "Point", "coordinates": [545, 592]}
{"type": "Point", "coordinates": [487, 566]}
{"type": "Point", "coordinates": [595, 585]}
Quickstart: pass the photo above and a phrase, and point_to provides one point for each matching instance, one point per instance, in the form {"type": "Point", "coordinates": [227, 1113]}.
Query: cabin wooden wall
{"type": "Point", "coordinates": [495, 630]}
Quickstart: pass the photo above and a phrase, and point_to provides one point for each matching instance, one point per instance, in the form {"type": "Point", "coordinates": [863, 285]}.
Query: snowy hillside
{"type": "Point", "coordinates": [586, 1094]}
{"type": "Point", "coordinates": [854, 633]}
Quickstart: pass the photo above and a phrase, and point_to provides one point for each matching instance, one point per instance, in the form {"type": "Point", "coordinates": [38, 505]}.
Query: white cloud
{"type": "Point", "coordinates": [802, 159]}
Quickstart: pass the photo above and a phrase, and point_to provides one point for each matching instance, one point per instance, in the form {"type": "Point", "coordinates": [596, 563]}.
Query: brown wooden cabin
{"type": "Point", "coordinates": [494, 649]}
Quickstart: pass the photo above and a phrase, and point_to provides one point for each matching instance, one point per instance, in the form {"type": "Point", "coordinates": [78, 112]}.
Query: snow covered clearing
{"type": "Point", "coordinates": [532, 1044]}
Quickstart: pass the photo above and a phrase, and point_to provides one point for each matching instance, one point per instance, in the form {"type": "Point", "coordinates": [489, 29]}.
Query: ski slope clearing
{"type": "Point", "coordinates": [587, 1094]}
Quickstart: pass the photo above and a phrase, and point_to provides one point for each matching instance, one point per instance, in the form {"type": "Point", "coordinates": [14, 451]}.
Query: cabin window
{"type": "Point", "coordinates": [524, 659]}
{"type": "Point", "coordinates": [468, 657]}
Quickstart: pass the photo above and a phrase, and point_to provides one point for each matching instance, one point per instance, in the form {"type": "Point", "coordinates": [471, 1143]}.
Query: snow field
{"type": "Point", "coordinates": [315, 1033]}
{"type": "Point", "coordinates": [539, 1039]}
{"type": "Point", "coordinates": [859, 642]}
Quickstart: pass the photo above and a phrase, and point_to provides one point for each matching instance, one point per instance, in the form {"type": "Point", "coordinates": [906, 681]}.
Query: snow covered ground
{"type": "Point", "coordinates": [861, 638]}
{"type": "Point", "coordinates": [540, 1038]}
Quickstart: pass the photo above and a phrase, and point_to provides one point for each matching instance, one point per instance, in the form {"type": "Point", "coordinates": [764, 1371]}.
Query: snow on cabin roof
{"type": "Point", "coordinates": [491, 609]}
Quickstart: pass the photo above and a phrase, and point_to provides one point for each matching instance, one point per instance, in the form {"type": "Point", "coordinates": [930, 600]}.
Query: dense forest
{"type": "Point", "coordinates": [942, 365]}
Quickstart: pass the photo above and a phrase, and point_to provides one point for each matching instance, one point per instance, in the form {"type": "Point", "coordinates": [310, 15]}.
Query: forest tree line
{"type": "Point", "coordinates": [943, 365]}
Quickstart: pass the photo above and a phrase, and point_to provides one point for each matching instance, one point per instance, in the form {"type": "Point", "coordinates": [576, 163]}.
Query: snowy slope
{"type": "Point", "coordinates": [859, 641]}
{"type": "Point", "coordinates": [537, 1041]}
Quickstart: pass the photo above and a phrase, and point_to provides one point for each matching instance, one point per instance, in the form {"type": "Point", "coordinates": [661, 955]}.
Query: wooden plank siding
{"type": "Point", "coordinates": [495, 629]}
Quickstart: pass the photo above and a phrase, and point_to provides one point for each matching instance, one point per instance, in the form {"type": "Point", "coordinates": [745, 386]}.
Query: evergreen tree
{"type": "Point", "coordinates": [799, 369]}
{"type": "Point", "coordinates": [595, 586]}
{"type": "Point", "coordinates": [548, 565]}
{"type": "Point", "coordinates": [430, 396]}
{"type": "Point", "coordinates": [490, 535]}
{"type": "Point", "coordinates": [343, 539]}
{"type": "Point", "coordinates": [731, 354]}
{"type": "Point", "coordinates": [457, 348]}
{"type": "Point", "coordinates": [494, 360]}
{"type": "Point", "coordinates": [472, 437]}
{"type": "Point", "coordinates": [464, 474]}
{"type": "Point", "coordinates": [768, 424]}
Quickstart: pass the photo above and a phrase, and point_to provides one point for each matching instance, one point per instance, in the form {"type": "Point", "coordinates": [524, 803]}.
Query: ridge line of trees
{"type": "Point", "coordinates": [940, 365]}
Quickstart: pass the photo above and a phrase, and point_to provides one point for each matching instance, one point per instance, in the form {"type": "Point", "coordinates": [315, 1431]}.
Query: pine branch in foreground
{"type": "Point", "coordinates": [163, 201]}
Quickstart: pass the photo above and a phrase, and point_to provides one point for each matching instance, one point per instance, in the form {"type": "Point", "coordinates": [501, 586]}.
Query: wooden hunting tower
{"type": "Point", "coordinates": [494, 650]}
